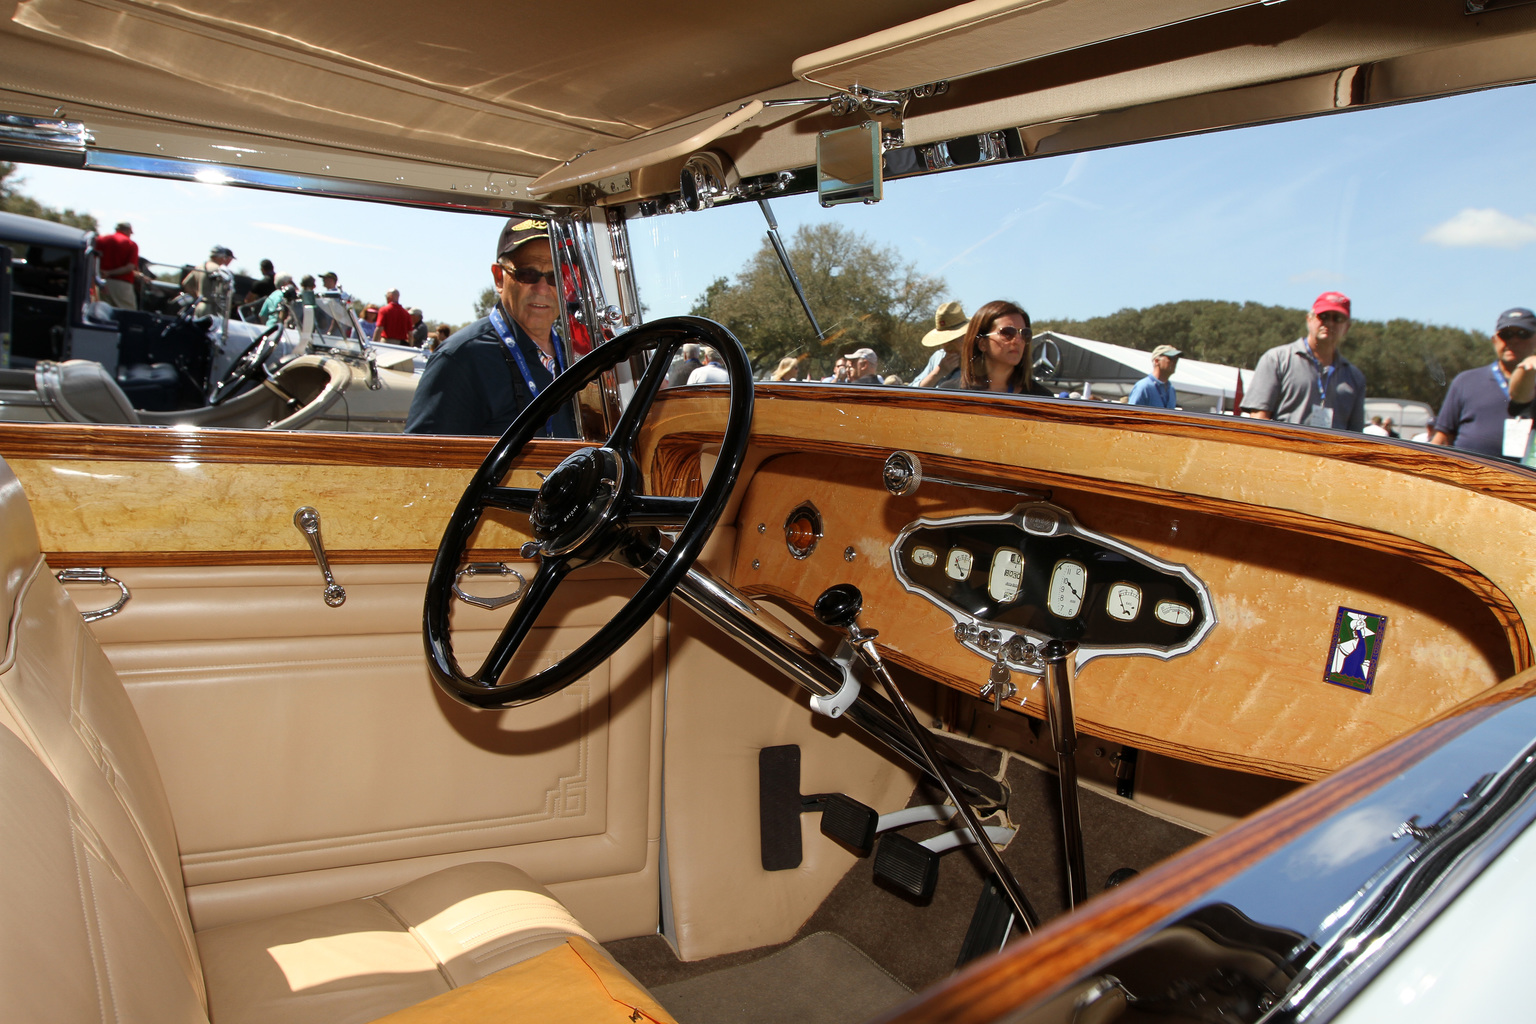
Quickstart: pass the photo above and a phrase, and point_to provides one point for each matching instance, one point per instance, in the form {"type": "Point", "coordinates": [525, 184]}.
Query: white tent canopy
{"type": "Point", "coordinates": [1103, 370]}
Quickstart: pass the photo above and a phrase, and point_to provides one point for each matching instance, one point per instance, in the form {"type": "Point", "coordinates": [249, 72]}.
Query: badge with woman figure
{"type": "Point", "coordinates": [1355, 650]}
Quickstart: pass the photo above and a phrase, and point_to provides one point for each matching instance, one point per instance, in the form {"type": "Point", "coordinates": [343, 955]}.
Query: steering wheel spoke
{"type": "Point", "coordinates": [540, 589]}
{"type": "Point", "coordinates": [627, 430]}
{"type": "Point", "coordinates": [659, 511]}
{"type": "Point", "coordinates": [512, 499]}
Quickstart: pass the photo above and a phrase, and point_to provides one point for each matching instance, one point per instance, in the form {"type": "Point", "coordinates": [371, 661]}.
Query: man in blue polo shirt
{"type": "Point", "coordinates": [1154, 389]}
{"type": "Point", "coordinates": [1476, 407]}
{"type": "Point", "coordinates": [483, 376]}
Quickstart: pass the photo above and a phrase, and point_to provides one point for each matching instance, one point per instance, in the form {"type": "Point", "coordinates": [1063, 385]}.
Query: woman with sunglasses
{"type": "Point", "coordinates": [996, 354]}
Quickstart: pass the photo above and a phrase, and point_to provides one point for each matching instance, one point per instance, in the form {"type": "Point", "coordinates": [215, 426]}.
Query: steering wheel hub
{"type": "Point", "coordinates": [576, 499]}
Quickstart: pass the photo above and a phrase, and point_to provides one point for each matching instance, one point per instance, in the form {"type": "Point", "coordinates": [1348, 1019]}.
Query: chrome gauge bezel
{"type": "Point", "coordinates": [987, 639]}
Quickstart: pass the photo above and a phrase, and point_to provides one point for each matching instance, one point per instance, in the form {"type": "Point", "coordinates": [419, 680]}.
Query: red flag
{"type": "Point", "coordinates": [1237, 402]}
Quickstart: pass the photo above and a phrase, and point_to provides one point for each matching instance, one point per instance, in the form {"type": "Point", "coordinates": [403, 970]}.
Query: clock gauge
{"type": "Point", "coordinates": [925, 557]}
{"type": "Point", "coordinates": [1124, 602]}
{"type": "Point", "coordinates": [958, 565]}
{"type": "Point", "coordinates": [1069, 582]}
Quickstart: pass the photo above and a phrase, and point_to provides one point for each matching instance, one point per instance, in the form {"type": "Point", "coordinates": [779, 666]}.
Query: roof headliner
{"type": "Point", "coordinates": [485, 103]}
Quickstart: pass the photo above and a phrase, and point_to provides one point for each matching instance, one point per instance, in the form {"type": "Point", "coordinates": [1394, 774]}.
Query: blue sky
{"type": "Point", "coordinates": [1423, 211]}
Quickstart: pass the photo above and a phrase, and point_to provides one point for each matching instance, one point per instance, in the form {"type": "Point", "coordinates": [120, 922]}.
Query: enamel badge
{"type": "Point", "coordinates": [1355, 650]}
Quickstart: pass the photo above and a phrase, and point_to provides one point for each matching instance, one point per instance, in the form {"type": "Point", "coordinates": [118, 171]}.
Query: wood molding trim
{"type": "Point", "coordinates": [1070, 947]}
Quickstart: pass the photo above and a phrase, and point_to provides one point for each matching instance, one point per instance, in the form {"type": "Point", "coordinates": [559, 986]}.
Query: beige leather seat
{"type": "Point", "coordinates": [95, 924]}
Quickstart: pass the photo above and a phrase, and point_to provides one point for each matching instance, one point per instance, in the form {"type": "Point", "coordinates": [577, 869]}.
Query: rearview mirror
{"type": "Point", "coordinates": [848, 165]}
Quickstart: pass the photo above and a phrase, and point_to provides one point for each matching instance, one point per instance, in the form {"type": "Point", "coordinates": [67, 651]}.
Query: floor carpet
{"type": "Point", "coordinates": [820, 979]}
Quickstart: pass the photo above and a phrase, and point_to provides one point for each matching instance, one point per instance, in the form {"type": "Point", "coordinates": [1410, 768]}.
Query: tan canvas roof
{"type": "Point", "coordinates": [479, 100]}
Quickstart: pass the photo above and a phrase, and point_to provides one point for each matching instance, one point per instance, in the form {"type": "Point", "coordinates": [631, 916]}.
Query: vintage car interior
{"type": "Point", "coordinates": [700, 717]}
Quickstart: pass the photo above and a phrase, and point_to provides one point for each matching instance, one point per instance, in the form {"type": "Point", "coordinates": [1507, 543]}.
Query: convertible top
{"type": "Point", "coordinates": [487, 108]}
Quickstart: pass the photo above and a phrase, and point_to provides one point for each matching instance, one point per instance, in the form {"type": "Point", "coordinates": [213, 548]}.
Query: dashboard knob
{"type": "Point", "coordinates": [839, 606]}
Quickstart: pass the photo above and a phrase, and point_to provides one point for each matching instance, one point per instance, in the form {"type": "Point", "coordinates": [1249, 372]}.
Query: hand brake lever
{"type": "Point", "coordinates": [839, 608]}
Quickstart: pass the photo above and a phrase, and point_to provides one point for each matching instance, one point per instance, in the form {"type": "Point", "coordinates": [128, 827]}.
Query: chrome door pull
{"type": "Point", "coordinates": [95, 576]}
{"type": "Point", "coordinates": [488, 569]}
{"type": "Point", "coordinates": [308, 522]}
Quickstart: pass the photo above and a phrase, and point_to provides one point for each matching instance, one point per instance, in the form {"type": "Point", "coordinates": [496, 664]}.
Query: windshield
{"type": "Point", "coordinates": [1215, 245]}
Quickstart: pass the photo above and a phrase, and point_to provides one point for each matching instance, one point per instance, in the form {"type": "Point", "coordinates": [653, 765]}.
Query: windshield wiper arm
{"type": "Point", "coordinates": [794, 281]}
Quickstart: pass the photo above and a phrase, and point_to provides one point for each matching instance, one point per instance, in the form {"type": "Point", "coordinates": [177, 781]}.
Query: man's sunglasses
{"type": "Point", "coordinates": [1008, 332]}
{"type": "Point", "coordinates": [530, 275]}
{"type": "Point", "coordinates": [1515, 334]}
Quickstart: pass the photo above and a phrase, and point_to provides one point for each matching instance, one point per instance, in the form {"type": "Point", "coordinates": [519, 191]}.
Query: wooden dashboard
{"type": "Point", "coordinates": [1284, 526]}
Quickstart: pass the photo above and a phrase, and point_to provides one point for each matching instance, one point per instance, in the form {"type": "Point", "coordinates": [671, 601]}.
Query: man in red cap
{"type": "Point", "coordinates": [1309, 381]}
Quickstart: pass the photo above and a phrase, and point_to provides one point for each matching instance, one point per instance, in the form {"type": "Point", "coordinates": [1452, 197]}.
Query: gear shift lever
{"type": "Point", "coordinates": [839, 608]}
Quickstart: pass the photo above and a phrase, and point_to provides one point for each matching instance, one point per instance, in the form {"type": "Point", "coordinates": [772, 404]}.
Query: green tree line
{"type": "Point", "coordinates": [13, 201]}
{"type": "Point", "coordinates": [863, 295]}
{"type": "Point", "coordinates": [1400, 358]}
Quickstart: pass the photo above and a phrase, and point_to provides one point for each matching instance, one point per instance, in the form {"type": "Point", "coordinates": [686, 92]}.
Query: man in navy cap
{"type": "Point", "coordinates": [1476, 412]}
{"type": "Point", "coordinates": [1309, 381]}
{"type": "Point", "coordinates": [483, 376]}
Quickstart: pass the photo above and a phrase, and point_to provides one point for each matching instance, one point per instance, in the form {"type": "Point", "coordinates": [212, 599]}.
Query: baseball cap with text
{"type": "Point", "coordinates": [520, 231]}
{"type": "Point", "coordinates": [1332, 302]}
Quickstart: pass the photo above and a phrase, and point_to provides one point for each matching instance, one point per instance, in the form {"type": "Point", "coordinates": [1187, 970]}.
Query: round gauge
{"type": "Point", "coordinates": [1069, 582]}
{"type": "Point", "coordinates": [1123, 602]}
{"type": "Point", "coordinates": [958, 565]}
{"type": "Point", "coordinates": [1006, 576]}
{"type": "Point", "coordinates": [1174, 613]}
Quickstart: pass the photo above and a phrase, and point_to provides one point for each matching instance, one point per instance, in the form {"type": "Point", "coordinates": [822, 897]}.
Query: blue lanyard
{"type": "Point", "coordinates": [504, 332]}
{"type": "Point", "coordinates": [1499, 379]}
{"type": "Point", "coordinates": [1324, 374]}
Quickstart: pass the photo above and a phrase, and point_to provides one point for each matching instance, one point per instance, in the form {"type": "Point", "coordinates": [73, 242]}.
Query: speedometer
{"type": "Point", "coordinates": [1006, 576]}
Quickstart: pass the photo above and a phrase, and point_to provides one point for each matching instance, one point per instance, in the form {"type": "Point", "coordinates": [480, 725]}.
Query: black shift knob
{"type": "Point", "coordinates": [839, 606]}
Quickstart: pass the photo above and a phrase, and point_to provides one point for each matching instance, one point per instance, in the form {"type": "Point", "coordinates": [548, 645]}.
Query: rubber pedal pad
{"type": "Point", "coordinates": [907, 865]}
{"type": "Point", "coordinates": [849, 822]}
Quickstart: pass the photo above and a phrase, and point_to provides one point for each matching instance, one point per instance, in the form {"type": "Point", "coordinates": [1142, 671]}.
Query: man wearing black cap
{"type": "Point", "coordinates": [1477, 413]}
{"type": "Point", "coordinates": [483, 376]}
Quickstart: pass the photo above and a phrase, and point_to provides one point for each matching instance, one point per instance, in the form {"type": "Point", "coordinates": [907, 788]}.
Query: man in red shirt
{"type": "Point", "coordinates": [119, 256]}
{"type": "Point", "coordinates": [394, 320]}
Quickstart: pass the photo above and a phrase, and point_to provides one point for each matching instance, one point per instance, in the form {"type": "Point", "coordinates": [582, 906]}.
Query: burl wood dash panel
{"type": "Point", "coordinates": [1250, 696]}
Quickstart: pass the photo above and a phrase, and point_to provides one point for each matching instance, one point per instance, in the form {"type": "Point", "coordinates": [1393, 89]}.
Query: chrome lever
{"type": "Point", "coordinates": [96, 576]}
{"type": "Point", "coordinates": [308, 522]}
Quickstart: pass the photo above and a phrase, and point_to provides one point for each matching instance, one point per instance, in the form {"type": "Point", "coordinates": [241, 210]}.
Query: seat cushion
{"type": "Point", "coordinates": [574, 983]}
{"type": "Point", "coordinates": [361, 959]}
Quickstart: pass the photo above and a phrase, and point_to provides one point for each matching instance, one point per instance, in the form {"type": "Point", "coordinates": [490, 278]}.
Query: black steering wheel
{"type": "Point", "coordinates": [250, 364]}
{"type": "Point", "coordinates": [588, 509]}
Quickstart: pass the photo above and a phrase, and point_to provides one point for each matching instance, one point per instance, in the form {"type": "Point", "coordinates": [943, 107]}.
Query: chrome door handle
{"type": "Point", "coordinates": [308, 522]}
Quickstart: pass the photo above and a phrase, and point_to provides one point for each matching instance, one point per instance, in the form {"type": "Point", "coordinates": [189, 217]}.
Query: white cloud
{"type": "Point", "coordinates": [314, 236]}
{"type": "Point", "coordinates": [1489, 229]}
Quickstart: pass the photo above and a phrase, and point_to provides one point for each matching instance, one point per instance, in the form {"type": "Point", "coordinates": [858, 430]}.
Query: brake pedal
{"type": "Point", "coordinates": [845, 820]}
{"type": "Point", "coordinates": [908, 865]}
